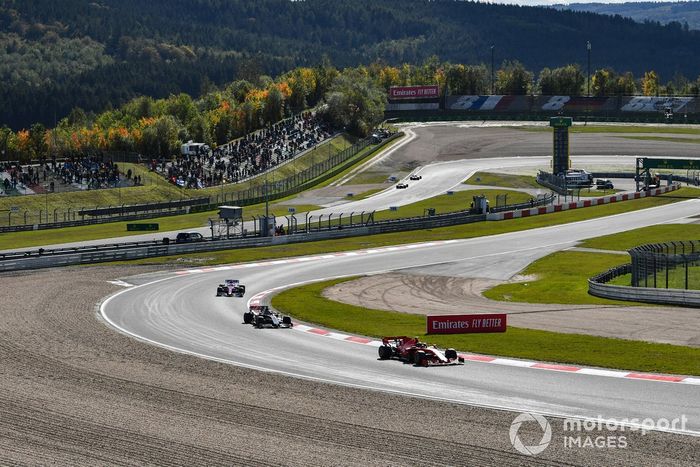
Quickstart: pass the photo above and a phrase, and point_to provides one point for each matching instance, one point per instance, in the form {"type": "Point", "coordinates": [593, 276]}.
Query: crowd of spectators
{"type": "Point", "coordinates": [72, 173]}
{"type": "Point", "coordinates": [247, 156]}
{"type": "Point", "coordinates": [91, 172]}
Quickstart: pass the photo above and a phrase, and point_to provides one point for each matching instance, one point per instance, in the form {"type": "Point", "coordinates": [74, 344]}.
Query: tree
{"type": "Point", "coordinates": [356, 102]}
{"type": "Point", "coordinates": [650, 84]}
{"type": "Point", "coordinates": [625, 85]}
{"type": "Point", "coordinates": [564, 81]}
{"type": "Point", "coordinates": [513, 79]}
{"type": "Point", "coordinates": [37, 141]}
{"type": "Point", "coordinates": [274, 105]}
{"type": "Point", "coordinates": [161, 137]}
{"type": "Point", "coordinates": [5, 135]}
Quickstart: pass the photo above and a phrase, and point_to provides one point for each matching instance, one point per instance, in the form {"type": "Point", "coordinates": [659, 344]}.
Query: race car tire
{"type": "Point", "coordinates": [451, 354]}
{"type": "Point", "coordinates": [287, 320]}
{"type": "Point", "coordinates": [385, 352]}
{"type": "Point", "coordinates": [247, 317]}
{"type": "Point", "coordinates": [420, 358]}
{"type": "Point", "coordinates": [259, 321]}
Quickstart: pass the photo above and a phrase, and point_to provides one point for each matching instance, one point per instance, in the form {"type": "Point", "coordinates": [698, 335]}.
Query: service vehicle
{"type": "Point", "coordinates": [411, 350]}
{"type": "Point", "coordinates": [578, 178]}
{"type": "Point", "coordinates": [401, 186]}
{"type": "Point", "coordinates": [230, 288]}
{"type": "Point", "coordinates": [189, 237]}
{"type": "Point", "coordinates": [261, 316]}
{"type": "Point", "coordinates": [415, 177]}
{"type": "Point", "coordinates": [604, 184]}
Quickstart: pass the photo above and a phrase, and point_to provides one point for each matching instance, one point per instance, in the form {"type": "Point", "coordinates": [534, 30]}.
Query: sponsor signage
{"type": "Point", "coordinates": [141, 227]}
{"type": "Point", "coordinates": [466, 324]}
{"type": "Point", "coordinates": [414, 92]}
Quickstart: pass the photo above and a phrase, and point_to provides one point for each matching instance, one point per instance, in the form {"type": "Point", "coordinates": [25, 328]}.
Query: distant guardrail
{"type": "Point", "coordinates": [599, 287]}
{"type": "Point", "coordinates": [45, 258]}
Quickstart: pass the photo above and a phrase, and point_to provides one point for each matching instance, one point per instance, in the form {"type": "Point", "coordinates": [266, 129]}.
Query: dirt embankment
{"type": "Point", "coordinates": [75, 392]}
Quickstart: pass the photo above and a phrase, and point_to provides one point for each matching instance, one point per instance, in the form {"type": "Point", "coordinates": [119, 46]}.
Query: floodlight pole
{"type": "Point", "coordinates": [493, 89]}
{"type": "Point", "coordinates": [588, 47]}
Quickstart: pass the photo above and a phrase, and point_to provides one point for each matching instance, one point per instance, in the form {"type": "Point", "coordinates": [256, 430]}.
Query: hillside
{"type": "Point", "coordinates": [662, 12]}
{"type": "Point", "coordinates": [97, 54]}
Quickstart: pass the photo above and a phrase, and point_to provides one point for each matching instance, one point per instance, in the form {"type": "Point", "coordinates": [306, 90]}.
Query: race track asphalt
{"type": "Point", "coordinates": [181, 313]}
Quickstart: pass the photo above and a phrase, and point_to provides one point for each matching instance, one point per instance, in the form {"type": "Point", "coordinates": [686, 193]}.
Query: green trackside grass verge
{"type": "Point", "coordinates": [32, 238]}
{"type": "Point", "coordinates": [653, 234]}
{"type": "Point", "coordinates": [458, 201]}
{"type": "Point", "coordinates": [364, 194]}
{"type": "Point", "coordinates": [307, 304]}
{"type": "Point", "coordinates": [504, 180]}
{"type": "Point", "coordinates": [479, 229]}
{"type": "Point", "coordinates": [561, 277]}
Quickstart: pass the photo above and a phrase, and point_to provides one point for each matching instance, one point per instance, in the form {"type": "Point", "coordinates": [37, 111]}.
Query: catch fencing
{"type": "Point", "coordinates": [672, 265]}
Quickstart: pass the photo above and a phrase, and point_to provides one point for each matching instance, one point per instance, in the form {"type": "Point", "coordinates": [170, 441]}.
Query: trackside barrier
{"type": "Point", "coordinates": [598, 287]}
{"type": "Point", "coordinates": [137, 250]}
{"type": "Point", "coordinates": [584, 203]}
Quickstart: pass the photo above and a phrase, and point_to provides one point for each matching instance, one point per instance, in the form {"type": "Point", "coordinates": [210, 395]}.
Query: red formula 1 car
{"type": "Point", "coordinates": [411, 350]}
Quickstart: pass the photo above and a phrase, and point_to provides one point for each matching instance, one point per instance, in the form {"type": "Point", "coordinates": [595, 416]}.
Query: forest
{"type": "Point", "coordinates": [97, 55]}
{"type": "Point", "coordinates": [353, 99]}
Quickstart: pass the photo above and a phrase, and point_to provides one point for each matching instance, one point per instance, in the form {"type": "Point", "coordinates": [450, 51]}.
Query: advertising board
{"type": "Point", "coordinates": [466, 324]}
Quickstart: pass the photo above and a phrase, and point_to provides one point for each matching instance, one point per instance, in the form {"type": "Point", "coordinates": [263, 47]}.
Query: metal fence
{"type": "Point", "coordinates": [672, 265]}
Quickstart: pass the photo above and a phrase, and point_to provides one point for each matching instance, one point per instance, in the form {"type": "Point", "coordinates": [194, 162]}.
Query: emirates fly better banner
{"type": "Point", "coordinates": [465, 324]}
{"type": "Point", "coordinates": [414, 92]}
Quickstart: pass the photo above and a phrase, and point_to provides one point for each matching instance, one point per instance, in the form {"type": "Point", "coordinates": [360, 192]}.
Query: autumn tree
{"type": "Point", "coordinates": [650, 84]}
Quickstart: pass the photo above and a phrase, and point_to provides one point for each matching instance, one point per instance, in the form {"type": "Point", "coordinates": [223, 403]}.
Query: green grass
{"type": "Point", "coordinates": [653, 234]}
{"type": "Point", "coordinates": [561, 277]}
{"type": "Point", "coordinates": [364, 194]}
{"type": "Point", "coordinates": [307, 304]}
{"type": "Point", "coordinates": [365, 178]}
{"type": "Point", "coordinates": [444, 233]}
{"type": "Point", "coordinates": [504, 180]}
{"type": "Point", "coordinates": [155, 188]}
{"type": "Point", "coordinates": [32, 238]}
{"type": "Point", "coordinates": [361, 157]}
{"type": "Point", "coordinates": [457, 201]}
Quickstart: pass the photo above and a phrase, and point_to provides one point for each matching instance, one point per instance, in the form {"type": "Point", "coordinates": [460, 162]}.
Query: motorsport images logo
{"type": "Point", "coordinates": [599, 432]}
{"type": "Point", "coordinates": [536, 448]}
